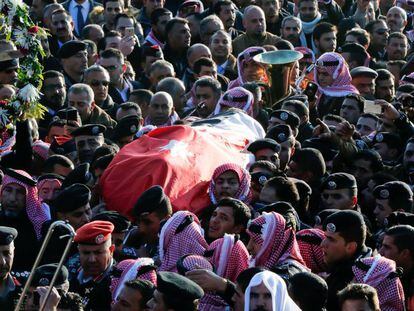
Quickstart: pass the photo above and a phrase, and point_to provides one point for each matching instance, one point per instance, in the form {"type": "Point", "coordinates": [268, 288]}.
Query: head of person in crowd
{"type": "Point", "coordinates": [159, 70]}
{"type": "Point", "coordinates": [316, 294]}
{"type": "Point", "coordinates": [397, 19]}
{"type": "Point", "coordinates": [92, 50]}
{"type": "Point", "coordinates": [62, 25]}
{"type": "Point", "coordinates": [242, 282]}
{"type": "Point", "coordinates": [307, 164]}
{"type": "Point", "coordinates": [364, 165]}
{"type": "Point", "coordinates": [177, 34]}
{"type": "Point", "coordinates": [10, 63]}
{"type": "Point", "coordinates": [226, 11]}
{"type": "Point", "coordinates": [367, 123]}
{"type": "Point", "coordinates": [332, 75]}
{"type": "Point", "coordinates": [175, 292]}
{"type": "Point", "coordinates": [352, 108]}
{"type": "Point", "coordinates": [175, 87]}
{"type": "Point", "coordinates": [408, 158]}
{"type": "Point", "coordinates": [397, 46]}
{"type": "Point", "coordinates": [126, 129]}
{"type": "Point", "coordinates": [95, 247]}
{"type": "Point", "coordinates": [358, 297]}
{"type": "Point", "coordinates": [74, 59]}
{"type": "Point", "coordinates": [53, 89]}
{"type": "Point", "coordinates": [220, 46]}
{"type": "Point", "coordinates": [237, 97]}
{"type": "Point", "coordinates": [151, 208]}
{"type": "Point", "coordinates": [114, 62]}
{"type": "Point", "coordinates": [7, 236]}
{"type": "Point", "coordinates": [308, 10]}
{"type": "Point", "coordinates": [208, 26]}
{"type": "Point", "coordinates": [159, 19]}
{"type": "Point", "coordinates": [278, 189]}
{"type": "Point", "coordinates": [299, 108]}
{"type": "Point", "coordinates": [290, 29]}
{"type": "Point", "coordinates": [150, 54]}
{"type": "Point", "coordinates": [379, 33]}
{"type": "Point", "coordinates": [363, 78]}
{"type": "Point", "coordinates": [254, 21]}
{"type": "Point", "coordinates": [248, 69]}
{"type": "Point", "coordinates": [36, 9]}
{"type": "Point", "coordinates": [58, 164]}
{"type": "Point", "coordinates": [339, 191]}
{"type": "Point", "coordinates": [309, 241]}
{"type": "Point", "coordinates": [287, 117]}
{"type": "Point", "coordinates": [230, 216]}
{"type": "Point", "coordinates": [358, 36]}
{"type": "Point", "coordinates": [230, 180]}
{"type": "Point", "coordinates": [397, 245]}
{"type": "Point", "coordinates": [161, 110]}
{"type": "Point", "coordinates": [87, 139]}
{"type": "Point", "coordinates": [48, 185]}
{"type": "Point", "coordinates": [81, 97]}
{"type": "Point", "coordinates": [283, 135]}
{"type": "Point", "coordinates": [345, 233]}
{"type": "Point", "coordinates": [265, 149]}
{"type": "Point", "coordinates": [392, 196]}
{"type": "Point", "coordinates": [137, 105]}
{"type": "Point", "coordinates": [111, 9]}
{"type": "Point", "coordinates": [97, 77]}
{"type": "Point", "coordinates": [92, 32]}
{"type": "Point", "coordinates": [124, 21]}
{"type": "Point", "coordinates": [134, 295]}
{"type": "Point", "coordinates": [396, 67]}
{"type": "Point", "coordinates": [324, 37]}
{"type": "Point", "coordinates": [388, 145]}
{"type": "Point", "coordinates": [196, 52]}
{"type": "Point", "coordinates": [112, 39]}
{"type": "Point", "coordinates": [354, 54]}
{"type": "Point", "coordinates": [385, 85]}
{"type": "Point", "coordinates": [207, 95]}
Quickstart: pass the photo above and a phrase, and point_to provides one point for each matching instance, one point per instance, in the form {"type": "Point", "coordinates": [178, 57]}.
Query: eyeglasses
{"type": "Point", "coordinates": [111, 68]}
{"type": "Point", "coordinates": [99, 83]}
{"type": "Point", "coordinates": [382, 31]}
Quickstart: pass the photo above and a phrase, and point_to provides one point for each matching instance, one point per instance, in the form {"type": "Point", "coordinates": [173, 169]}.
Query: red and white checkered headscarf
{"type": "Point", "coordinates": [237, 97]}
{"type": "Point", "coordinates": [37, 212]}
{"type": "Point", "coordinates": [244, 57]}
{"type": "Point", "coordinates": [41, 148]}
{"type": "Point", "coordinates": [243, 193]}
{"type": "Point", "coordinates": [278, 243]}
{"type": "Point", "coordinates": [309, 241]}
{"type": "Point", "coordinates": [336, 66]}
{"type": "Point", "coordinates": [230, 256]}
{"type": "Point", "coordinates": [180, 235]}
{"type": "Point", "coordinates": [192, 262]}
{"type": "Point", "coordinates": [380, 273]}
{"type": "Point", "coordinates": [132, 269]}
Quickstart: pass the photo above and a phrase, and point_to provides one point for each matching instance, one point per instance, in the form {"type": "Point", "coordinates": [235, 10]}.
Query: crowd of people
{"type": "Point", "coordinates": [321, 219]}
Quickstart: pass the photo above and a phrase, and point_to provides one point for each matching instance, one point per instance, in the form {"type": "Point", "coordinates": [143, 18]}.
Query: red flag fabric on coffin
{"type": "Point", "coordinates": [179, 158]}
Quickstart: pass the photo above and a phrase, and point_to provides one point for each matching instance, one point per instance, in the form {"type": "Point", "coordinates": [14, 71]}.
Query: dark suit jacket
{"type": "Point", "coordinates": [116, 97]}
{"type": "Point", "coordinates": [92, 3]}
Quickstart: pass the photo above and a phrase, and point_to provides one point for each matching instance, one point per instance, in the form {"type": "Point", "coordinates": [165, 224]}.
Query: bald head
{"type": "Point", "coordinates": [197, 51]}
{"type": "Point", "coordinates": [160, 109]}
{"type": "Point", "coordinates": [254, 21]}
{"type": "Point", "coordinates": [396, 19]}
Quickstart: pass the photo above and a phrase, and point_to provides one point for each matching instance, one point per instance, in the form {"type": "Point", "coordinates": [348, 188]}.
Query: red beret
{"type": "Point", "coordinates": [94, 233]}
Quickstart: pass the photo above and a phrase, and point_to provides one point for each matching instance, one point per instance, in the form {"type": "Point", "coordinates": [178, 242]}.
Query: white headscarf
{"type": "Point", "coordinates": [281, 300]}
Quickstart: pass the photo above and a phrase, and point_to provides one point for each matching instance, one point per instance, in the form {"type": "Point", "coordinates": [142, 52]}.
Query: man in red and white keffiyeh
{"type": "Point", "coordinates": [309, 241]}
{"type": "Point", "coordinates": [380, 273]}
{"type": "Point", "coordinates": [248, 69]}
{"type": "Point", "coordinates": [180, 235]}
{"type": "Point", "coordinates": [217, 191]}
{"type": "Point", "coordinates": [237, 97]}
{"type": "Point", "coordinates": [131, 269]}
{"type": "Point", "coordinates": [272, 243]}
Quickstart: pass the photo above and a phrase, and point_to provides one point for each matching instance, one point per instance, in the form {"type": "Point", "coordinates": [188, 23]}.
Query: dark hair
{"type": "Point", "coordinates": [316, 294]}
{"type": "Point", "coordinates": [130, 105]}
{"type": "Point", "coordinates": [357, 53]}
{"type": "Point", "coordinates": [370, 115]}
{"type": "Point", "coordinates": [203, 61]}
{"type": "Point", "coordinates": [403, 236]}
{"type": "Point", "coordinates": [359, 99]}
{"type": "Point", "coordinates": [56, 122]}
{"type": "Point", "coordinates": [382, 178]}
{"type": "Point", "coordinates": [71, 301]}
{"type": "Point", "coordinates": [103, 162]}
{"type": "Point", "coordinates": [91, 45]}
{"type": "Point", "coordinates": [102, 41]}
{"type": "Point", "coordinates": [360, 292]}
{"type": "Point", "coordinates": [104, 150]}
{"type": "Point", "coordinates": [52, 74]}
{"type": "Point", "coordinates": [361, 35]}
{"type": "Point", "coordinates": [397, 35]}
{"type": "Point", "coordinates": [310, 159]}
{"type": "Point", "coordinates": [144, 287]}
{"type": "Point", "coordinates": [371, 156]}
{"type": "Point", "coordinates": [284, 188]}
{"type": "Point", "coordinates": [323, 28]}
{"type": "Point", "coordinates": [144, 96]}
{"type": "Point", "coordinates": [241, 212]}
{"type": "Point", "coordinates": [283, 44]}
{"type": "Point", "coordinates": [219, 4]}
{"type": "Point", "coordinates": [406, 88]}
{"type": "Point", "coordinates": [211, 83]}
{"type": "Point", "coordinates": [86, 30]}
{"type": "Point", "coordinates": [124, 15]}
{"type": "Point", "coordinates": [104, 2]}
{"type": "Point", "coordinates": [111, 52]}
{"type": "Point", "coordinates": [267, 165]}
{"type": "Point", "coordinates": [333, 117]}
{"type": "Point", "coordinates": [384, 74]}
{"type": "Point", "coordinates": [254, 88]}
{"type": "Point", "coordinates": [244, 278]}
{"type": "Point", "coordinates": [56, 159]}
{"type": "Point", "coordinates": [370, 26]}
{"type": "Point", "coordinates": [300, 108]}
{"type": "Point", "coordinates": [178, 303]}
{"type": "Point", "coordinates": [171, 23]}
{"type": "Point", "coordinates": [157, 13]}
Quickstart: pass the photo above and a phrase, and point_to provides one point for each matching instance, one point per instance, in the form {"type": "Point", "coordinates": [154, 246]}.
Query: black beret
{"type": "Point", "coordinates": [280, 133]}
{"type": "Point", "coordinates": [71, 198]}
{"type": "Point", "coordinates": [151, 200]}
{"type": "Point", "coordinates": [50, 176]}
{"type": "Point", "coordinates": [121, 223]}
{"type": "Point", "coordinates": [391, 139]}
{"type": "Point", "coordinates": [43, 275]}
{"type": "Point", "coordinates": [175, 285]}
{"type": "Point", "coordinates": [127, 126]}
{"type": "Point", "coordinates": [260, 177]}
{"type": "Point", "coordinates": [265, 143]}
{"type": "Point", "coordinates": [7, 235]}
{"type": "Point", "coordinates": [153, 50]}
{"type": "Point", "coordinates": [339, 181]}
{"type": "Point", "coordinates": [328, 150]}
{"type": "Point", "coordinates": [399, 218]}
{"type": "Point", "coordinates": [393, 189]}
{"type": "Point", "coordinates": [289, 117]}
{"type": "Point", "coordinates": [89, 130]}
{"type": "Point", "coordinates": [363, 71]}
{"type": "Point", "coordinates": [80, 175]}
{"type": "Point", "coordinates": [70, 48]}
{"type": "Point", "coordinates": [24, 179]}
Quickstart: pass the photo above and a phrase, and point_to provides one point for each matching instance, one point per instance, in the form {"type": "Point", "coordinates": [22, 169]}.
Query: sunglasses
{"type": "Point", "coordinates": [99, 83]}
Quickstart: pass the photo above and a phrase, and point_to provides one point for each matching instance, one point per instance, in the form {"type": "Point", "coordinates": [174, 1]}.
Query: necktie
{"type": "Point", "coordinates": [81, 22]}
